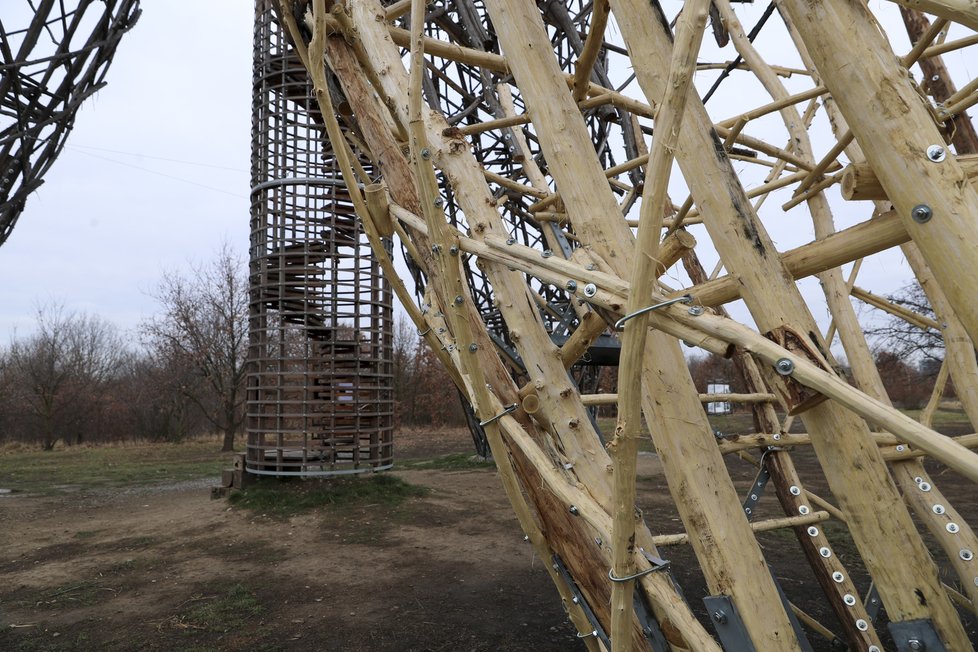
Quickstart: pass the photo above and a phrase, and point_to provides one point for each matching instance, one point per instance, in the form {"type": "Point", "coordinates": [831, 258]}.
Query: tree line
{"type": "Point", "coordinates": [77, 378]}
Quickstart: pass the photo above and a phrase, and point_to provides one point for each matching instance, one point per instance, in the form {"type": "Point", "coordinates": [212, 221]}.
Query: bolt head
{"type": "Point", "coordinates": [795, 490]}
{"type": "Point", "coordinates": [473, 347]}
{"type": "Point", "coordinates": [936, 153]}
{"type": "Point", "coordinates": [825, 552]}
{"type": "Point", "coordinates": [547, 254]}
{"type": "Point", "coordinates": [571, 285]}
{"type": "Point", "coordinates": [425, 153]}
{"type": "Point", "coordinates": [574, 510]}
{"type": "Point", "coordinates": [914, 644]}
{"type": "Point", "coordinates": [952, 528]}
{"type": "Point", "coordinates": [720, 617]}
{"type": "Point", "coordinates": [813, 531]}
{"type": "Point", "coordinates": [590, 290]}
{"type": "Point", "coordinates": [695, 311]}
{"type": "Point", "coordinates": [862, 625]}
{"type": "Point", "coordinates": [966, 555]}
{"type": "Point", "coordinates": [921, 213]}
{"type": "Point", "coordinates": [938, 509]}
{"type": "Point", "coordinates": [803, 510]}
{"type": "Point", "coordinates": [784, 366]}
{"type": "Point", "coordinates": [838, 577]}
{"type": "Point", "coordinates": [924, 486]}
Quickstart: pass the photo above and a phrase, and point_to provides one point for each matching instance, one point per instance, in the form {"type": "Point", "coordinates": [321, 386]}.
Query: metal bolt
{"type": "Point", "coordinates": [753, 496]}
{"type": "Point", "coordinates": [924, 486]}
{"type": "Point", "coordinates": [573, 510]}
{"type": "Point", "coordinates": [966, 555]}
{"type": "Point", "coordinates": [526, 537]}
{"type": "Point", "coordinates": [874, 648]}
{"type": "Point", "coordinates": [590, 290]}
{"type": "Point", "coordinates": [571, 285]}
{"type": "Point", "coordinates": [591, 267]}
{"type": "Point", "coordinates": [803, 510]}
{"type": "Point", "coordinates": [935, 78]}
{"type": "Point", "coordinates": [825, 552]}
{"type": "Point", "coordinates": [952, 528]}
{"type": "Point", "coordinates": [862, 625]}
{"type": "Point", "coordinates": [459, 300]}
{"type": "Point", "coordinates": [439, 202]}
{"type": "Point", "coordinates": [453, 250]}
{"type": "Point", "coordinates": [508, 137]}
{"type": "Point", "coordinates": [473, 347]}
{"type": "Point", "coordinates": [784, 366]}
{"type": "Point", "coordinates": [813, 531]}
{"type": "Point", "coordinates": [794, 490]}
{"type": "Point", "coordinates": [547, 253]}
{"type": "Point", "coordinates": [441, 329]}
{"type": "Point", "coordinates": [918, 479]}
{"type": "Point", "coordinates": [776, 436]}
{"type": "Point", "coordinates": [915, 645]}
{"type": "Point", "coordinates": [849, 599]}
{"type": "Point", "coordinates": [838, 577]}
{"type": "Point", "coordinates": [575, 600]}
{"type": "Point", "coordinates": [720, 617]}
{"type": "Point", "coordinates": [938, 509]}
{"type": "Point", "coordinates": [921, 213]}
{"type": "Point", "coordinates": [901, 448]}
{"type": "Point", "coordinates": [435, 248]}
{"type": "Point", "coordinates": [425, 153]}
{"type": "Point", "coordinates": [510, 241]}
{"type": "Point", "coordinates": [748, 511]}
{"type": "Point", "coordinates": [936, 153]}
{"type": "Point", "coordinates": [695, 311]}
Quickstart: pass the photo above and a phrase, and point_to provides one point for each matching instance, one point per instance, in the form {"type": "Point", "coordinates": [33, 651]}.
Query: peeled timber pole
{"type": "Point", "coordinates": [576, 503]}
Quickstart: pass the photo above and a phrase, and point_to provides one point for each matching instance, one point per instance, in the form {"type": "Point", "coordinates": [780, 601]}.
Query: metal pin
{"type": "Point", "coordinates": [620, 324]}
{"type": "Point", "coordinates": [508, 409]}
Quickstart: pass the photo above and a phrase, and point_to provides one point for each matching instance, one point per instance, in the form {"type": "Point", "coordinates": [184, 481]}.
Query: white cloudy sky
{"type": "Point", "coordinates": [155, 173]}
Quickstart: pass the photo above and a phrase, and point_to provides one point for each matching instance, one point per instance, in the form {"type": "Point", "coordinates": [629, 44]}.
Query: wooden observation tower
{"type": "Point", "coordinates": [557, 182]}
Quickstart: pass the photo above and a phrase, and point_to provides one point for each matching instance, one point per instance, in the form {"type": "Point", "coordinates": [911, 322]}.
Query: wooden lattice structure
{"type": "Point", "coordinates": [54, 56]}
{"type": "Point", "coordinates": [398, 97]}
{"type": "Point", "coordinates": [320, 395]}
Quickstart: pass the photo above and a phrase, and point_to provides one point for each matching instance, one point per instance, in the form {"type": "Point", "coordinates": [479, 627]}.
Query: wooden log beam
{"type": "Point", "coordinates": [880, 521]}
{"type": "Point", "coordinates": [682, 538]}
{"type": "Point", "coordinates": [704, 493]}
{"type": "Point", "coordinates": [959, 11]}
{"type": "Point", "coordinates": [860, 183]}
{"type": "Point", "coordinates": [864, 239]}
{"type": "Point", "coordinates": [902, 143]}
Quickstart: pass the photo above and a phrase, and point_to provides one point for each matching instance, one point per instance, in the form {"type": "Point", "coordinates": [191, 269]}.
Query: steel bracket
{"type": "Point", "coordinates": [916, 636]}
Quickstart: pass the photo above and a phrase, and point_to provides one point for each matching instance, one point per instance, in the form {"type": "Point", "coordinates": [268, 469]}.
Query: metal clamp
{"type": "Point", "coordinates": [657, 565]}
{"type": "Point", "coordinates": [508, 410]}
{"type": "Point", "coordinates": [620, 324]}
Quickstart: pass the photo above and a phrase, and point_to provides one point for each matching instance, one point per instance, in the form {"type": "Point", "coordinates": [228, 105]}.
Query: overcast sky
{"type": "Point", "coordinates": [155, 173]}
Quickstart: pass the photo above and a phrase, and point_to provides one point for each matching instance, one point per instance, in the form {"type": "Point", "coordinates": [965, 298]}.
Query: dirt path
{"type": "Point", "coordinates": [167, 568]}
{"type": "Point", "coordinates": [153, 569]}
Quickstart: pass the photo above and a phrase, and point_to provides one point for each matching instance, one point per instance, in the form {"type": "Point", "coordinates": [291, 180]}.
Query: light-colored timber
{"type": "Point", "coordinates": [495, 145]}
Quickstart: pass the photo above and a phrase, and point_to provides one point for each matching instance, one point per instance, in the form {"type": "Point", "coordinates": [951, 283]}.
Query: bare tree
{"type": "Point", "coordinates": [58, 376]}
{"type": "Point", "coordinates": [405, 368]}
{"type": "Point", "coordinates": [904, 339]}
{"type": "Point", "coordinates": [203, 329]}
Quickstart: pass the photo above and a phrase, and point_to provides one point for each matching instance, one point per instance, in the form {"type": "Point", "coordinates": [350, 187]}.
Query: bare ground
{"type": "Point", "coordinates": [167, 568]}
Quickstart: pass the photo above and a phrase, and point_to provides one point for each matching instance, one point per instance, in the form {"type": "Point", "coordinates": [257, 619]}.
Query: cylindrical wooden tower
{"type": "Point", "coordinates": [320, 397]}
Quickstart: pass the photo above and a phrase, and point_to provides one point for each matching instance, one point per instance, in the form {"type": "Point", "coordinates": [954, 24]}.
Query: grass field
{"type": "Point", "coordinates": [123, 465]}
